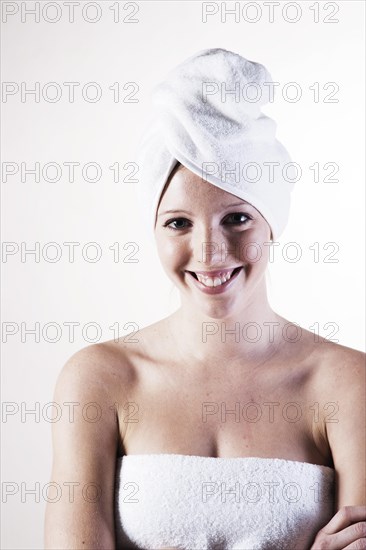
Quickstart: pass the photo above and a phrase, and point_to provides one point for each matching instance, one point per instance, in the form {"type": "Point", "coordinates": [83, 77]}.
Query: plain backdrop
{"type": "Point", "coordinates": [322, 52]}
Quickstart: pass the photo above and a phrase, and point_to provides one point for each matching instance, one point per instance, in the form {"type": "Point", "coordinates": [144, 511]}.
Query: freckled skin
{"type": "Point", "coordinates": [210, 394]}
{"type": "Point", "coordinates": [179, 372]}
{"type": "Point", "coordinates": [291, 368]}
{"type": "Point", "coordinates": [185, 249]}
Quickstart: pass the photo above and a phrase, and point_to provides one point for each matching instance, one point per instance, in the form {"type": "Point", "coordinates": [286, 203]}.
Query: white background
{"type": "Point", "coordinates": [106, 212]}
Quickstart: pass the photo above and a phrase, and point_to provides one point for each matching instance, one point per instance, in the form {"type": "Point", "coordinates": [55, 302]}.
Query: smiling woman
{"type": "Point", "coordinates": [214, 243]}
{"type": "Point", "coordinates": [249, 433]}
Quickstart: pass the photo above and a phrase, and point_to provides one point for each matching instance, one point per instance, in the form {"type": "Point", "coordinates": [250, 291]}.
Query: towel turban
{"type": "Point", "coordinates": [207, 115]}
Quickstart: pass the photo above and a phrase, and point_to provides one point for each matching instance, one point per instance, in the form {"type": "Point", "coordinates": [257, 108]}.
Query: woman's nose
{"type": "Point", "coordinates": [209, 244]}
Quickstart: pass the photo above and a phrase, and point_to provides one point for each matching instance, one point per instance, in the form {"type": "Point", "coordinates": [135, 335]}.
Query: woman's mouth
{"type": "Point", "coordinates": [217, 284]}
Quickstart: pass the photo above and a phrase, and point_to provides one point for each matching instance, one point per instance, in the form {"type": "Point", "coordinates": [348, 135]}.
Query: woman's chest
{"type": "Point", "coordinates": [227, 414]}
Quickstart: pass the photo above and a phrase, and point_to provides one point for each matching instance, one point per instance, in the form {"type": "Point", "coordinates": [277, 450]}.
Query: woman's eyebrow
{"type": "Point", "coordinates": [190, 213]}
{"type": "Point", "coordinates": [173, 211]}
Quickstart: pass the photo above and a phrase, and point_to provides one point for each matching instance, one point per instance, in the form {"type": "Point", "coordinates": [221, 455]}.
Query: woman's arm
{"type": "Point", "coordinates": [346, 435]}
{"type": "Point", "coordinates": [84, 453]}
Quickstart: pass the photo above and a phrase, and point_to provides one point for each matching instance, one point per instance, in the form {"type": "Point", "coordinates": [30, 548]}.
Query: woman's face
{"type": "Point", "coordinates": [211, 230]}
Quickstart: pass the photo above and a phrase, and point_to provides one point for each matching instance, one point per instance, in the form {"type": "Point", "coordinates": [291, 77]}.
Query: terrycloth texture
{"type": "Point", "coordinates": [223, 137]}
{"type": "Point", "coordinates": [169, 500]}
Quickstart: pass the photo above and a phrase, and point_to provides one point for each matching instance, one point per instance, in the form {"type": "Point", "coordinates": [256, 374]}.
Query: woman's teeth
{"type": "Point", "coordinates": [213, 281]}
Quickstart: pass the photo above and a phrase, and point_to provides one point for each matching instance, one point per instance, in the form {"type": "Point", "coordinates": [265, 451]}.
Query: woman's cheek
{"type": "Point", "coordinates": [171, 253]}
{"type": "Point", "coordinates": [255, 245]}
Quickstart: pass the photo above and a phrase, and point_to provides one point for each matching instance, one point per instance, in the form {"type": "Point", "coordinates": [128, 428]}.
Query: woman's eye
{"type": "Point", "coordinates": [241, 218]}
{"type": "Point", "coordinates": [176, 221]}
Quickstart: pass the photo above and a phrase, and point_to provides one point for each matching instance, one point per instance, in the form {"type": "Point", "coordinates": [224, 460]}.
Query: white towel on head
{"type": "Point", "coordinates": [207, 115]}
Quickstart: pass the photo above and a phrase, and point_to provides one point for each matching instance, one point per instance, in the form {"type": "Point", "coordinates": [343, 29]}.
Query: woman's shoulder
{"type": "Point", "coordinates": [345, 371]}
{"type": "Point", "coordinates": [337, 366]}
{"type": "Point", "coordinates": [329, 366]}
{"type": "Point", "coordinates": [106, 364]}
{"type": "Point", "coordinates": [338, 357]}
{"type": "Point", "coordinates": [123, 358]}
{"type": "Point", "coordinates": [322, 351]}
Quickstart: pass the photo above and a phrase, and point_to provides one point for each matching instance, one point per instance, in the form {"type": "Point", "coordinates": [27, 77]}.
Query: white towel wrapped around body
{"type": "Point", "coordinates": [193, 502]}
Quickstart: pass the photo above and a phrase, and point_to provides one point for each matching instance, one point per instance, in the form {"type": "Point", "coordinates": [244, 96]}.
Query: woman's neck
{"type": "Point", "coordinates": [252, 334]}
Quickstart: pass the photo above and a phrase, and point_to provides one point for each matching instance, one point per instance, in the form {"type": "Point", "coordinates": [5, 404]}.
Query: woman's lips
{"type": "Point", "coordinates": [216, 289]}
{"type": "Point", "coordinates": [216, 273]}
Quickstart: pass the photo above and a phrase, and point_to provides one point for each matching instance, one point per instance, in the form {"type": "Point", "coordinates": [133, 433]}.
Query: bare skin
{"type": "Point", "coordinates": [183, 390]}
{"type": "Point", "coordinates": [201, 397]}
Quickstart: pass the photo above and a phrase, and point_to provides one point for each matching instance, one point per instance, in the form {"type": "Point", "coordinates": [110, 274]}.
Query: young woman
{"type": "Point", "coordinates": [224, 425]}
